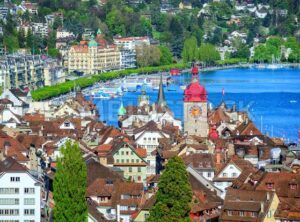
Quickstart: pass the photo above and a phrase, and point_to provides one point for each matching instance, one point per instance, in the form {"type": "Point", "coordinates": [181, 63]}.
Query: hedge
{"type": "Point", "coordinates": [49, 92]}
{"type": "Point", "coordinates": [231, 61]}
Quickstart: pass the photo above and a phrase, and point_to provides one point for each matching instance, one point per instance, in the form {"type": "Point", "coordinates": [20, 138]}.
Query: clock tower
{"type": "Point", "coordinates": [195, 107]}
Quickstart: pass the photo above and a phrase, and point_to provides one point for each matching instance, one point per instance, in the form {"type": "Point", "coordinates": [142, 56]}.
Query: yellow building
{"type": "Point", "coordinates": [93, 56]}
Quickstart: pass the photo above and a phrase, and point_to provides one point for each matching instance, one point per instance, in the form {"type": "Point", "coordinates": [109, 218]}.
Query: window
{"type": "Point", "coordinates": [9, 190]}
{"type": "Point", "coordinates": [293, 186]}
{"type": "Point", "coordinates": [137, 160]}
{"type": "Point", "coordinates": [149, 139]}
{"type": "Point", "coordinates": [122, 152]}
{"type": "Point", "coordinates": [253, 214]}
{"type": "Point", "coordinates": [29, 190]}
{"type": "Point", "coordinates": [9, 212]}
{"type": "Point", "coordinates": [127, 160]}
{"type": "Point", "coordinates": [15, 179]}
{"type": "Point", "coordinates": [241, 213]}
{"type": "Point", "coordinates": [117, 160]}
{"type": "Point", "coordinates": [146, 215]}
{"type": "Point", "coordinates": [229, 213]}
{"type": "Point", "coordinates": [127, 153]}
{"type": "Point", "coordinates": [269, 185]}
{"type": "Point", "coordinates": [67, 124]}
{"type": "Point", "coordinates": [29, 212]}
{"type": "Point", "coordinates": [11, 221]}
{"type": "Point", "coordinates": [224, 174]}
{"type": "Point", "coordinates": [153, 139]}
{"type": "Point", "coordinates": [234, 174]}
{"type": "Point", "coordinates": [132, 160]}
{"type": "Point", "coordinates": [29, 201]}
{"type": "Point", "coordinates": [209, 174]}
{"type": "Point", "coordinates": [130, 169]}
{"type": "Point", "coordinates": [131, 152]}
{"type": "Point", "coordinates": [139, 169]}
{"type": "Point", "coordinates": [122, 161]}
{"type": "Point", "coordinates": [9, 201]}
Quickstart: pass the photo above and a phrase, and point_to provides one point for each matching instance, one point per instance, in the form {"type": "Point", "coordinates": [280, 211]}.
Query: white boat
{"type": "Point", "coordinates": [183, 87]}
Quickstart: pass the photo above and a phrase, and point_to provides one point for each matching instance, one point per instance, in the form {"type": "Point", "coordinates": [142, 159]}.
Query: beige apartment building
{"type": "Point", "coordinates": [93, 56]}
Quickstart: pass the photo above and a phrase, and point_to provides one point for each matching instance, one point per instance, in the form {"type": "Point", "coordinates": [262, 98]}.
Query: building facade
{"type": "Point", "coordinates": [93, 56]}
{"type": "Point", "coordinates": [32, 71]}
{"type": "Point", "coordinates": [19, 193]}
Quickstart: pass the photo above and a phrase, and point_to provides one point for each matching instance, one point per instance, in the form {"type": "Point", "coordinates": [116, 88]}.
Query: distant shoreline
{"type": "Point", "coordinates": [246, 65]}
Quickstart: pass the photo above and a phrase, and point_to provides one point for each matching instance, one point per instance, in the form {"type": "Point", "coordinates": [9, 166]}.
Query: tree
{"type": "Point", "coordinates": [165, 55]}
{"type": "Point", "coordinates": [148, 55]}
{"type": "Point", "coordinates": [208, 53]}
{"type": "Point", "coordinates": [174, 194]}
{"type": "Point", "coordinates": [189, 52]}
{"type": "Point", "coordinates": [21, 38]}
{"type": "Point", "coordinates": [11, 43]}
{"type": "Point", "coordinates": [70, 185]}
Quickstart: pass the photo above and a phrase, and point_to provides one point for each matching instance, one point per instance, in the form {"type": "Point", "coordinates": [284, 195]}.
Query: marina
{"type": "Point", "coordinates": [270, 96]}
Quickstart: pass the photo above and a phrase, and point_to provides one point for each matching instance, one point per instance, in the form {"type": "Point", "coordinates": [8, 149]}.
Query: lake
{"type": "Point", "coordinates": [271, 97]}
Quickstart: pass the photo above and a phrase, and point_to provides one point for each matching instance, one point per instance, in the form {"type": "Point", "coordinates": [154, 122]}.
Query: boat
{"type": "Point", "coordinates": [172, 87]}
{"type": "Point", "coordinates": [175, 72]}
{"type": "Point", "coordinates": [183, 87]}
{"type": "Point", "coordinates": [293, 101]}
{"type": "Point", "coordinates": [101, 95]}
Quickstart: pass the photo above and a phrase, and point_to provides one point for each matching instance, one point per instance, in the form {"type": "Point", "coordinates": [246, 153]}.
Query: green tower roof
{"type": "Point", "coordinates": [92, 42]}
{"type": "Point", "coordinates": [122, 110]}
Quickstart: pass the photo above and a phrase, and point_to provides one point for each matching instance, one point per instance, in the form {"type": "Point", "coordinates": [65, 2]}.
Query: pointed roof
{"type": "Point", "coordinates": [122, 110]}
{"type": "Point", "coordinates": [161, 101]}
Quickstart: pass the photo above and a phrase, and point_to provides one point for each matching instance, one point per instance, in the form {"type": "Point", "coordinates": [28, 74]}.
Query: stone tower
{"type": "Point", "coordinates": [195, 107]}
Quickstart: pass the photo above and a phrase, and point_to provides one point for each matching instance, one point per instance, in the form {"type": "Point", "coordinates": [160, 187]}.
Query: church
{"type": "Point", "coordinates": [138, 116]}
{"type": "Point", "coordinates": [195, 107]}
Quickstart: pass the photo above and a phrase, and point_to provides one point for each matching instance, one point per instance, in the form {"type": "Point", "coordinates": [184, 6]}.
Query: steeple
{"type": "Point", "coordinates": [143, 98]}
{"type": "Point", "coordinates": [161, 101]}
{"type": "Point", "coordinates": [122, 110]}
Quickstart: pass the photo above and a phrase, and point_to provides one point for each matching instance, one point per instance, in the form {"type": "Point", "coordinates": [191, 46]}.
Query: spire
{"type": "Point", "coordinates": [122, 110]}
{"type": "Point", "coordinates": [161, 102]}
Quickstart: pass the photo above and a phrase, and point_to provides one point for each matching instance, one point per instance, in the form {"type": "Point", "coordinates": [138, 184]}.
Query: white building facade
{"type": "Point", "coordinates": [20, 198]}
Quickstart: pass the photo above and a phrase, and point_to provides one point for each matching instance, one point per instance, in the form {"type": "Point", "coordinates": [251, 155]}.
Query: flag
{"type": "Point", "coordinates": [223, 91]}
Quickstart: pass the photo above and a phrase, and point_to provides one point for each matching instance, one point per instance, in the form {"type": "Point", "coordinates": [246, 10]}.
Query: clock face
{"type": "Point", "coordinates": [195, 111]}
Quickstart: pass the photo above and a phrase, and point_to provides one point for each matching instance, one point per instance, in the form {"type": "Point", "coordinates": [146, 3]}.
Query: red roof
{"type": "Point", "coordinates": [195, 92]}
{"type": "Point", "coordinates": [213, 134]}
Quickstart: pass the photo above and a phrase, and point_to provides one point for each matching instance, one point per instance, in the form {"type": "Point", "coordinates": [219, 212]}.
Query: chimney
{"type": "Point", "coordinates": [7, 146]}
{"type": "Point", "coordinates": [118, 213]}
{"type": "Point", "coordinates": [262, 207]}
{"type": "Point", "coordinates": [218, 156]}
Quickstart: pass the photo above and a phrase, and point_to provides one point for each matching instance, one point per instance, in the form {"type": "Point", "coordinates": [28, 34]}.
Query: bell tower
{"type": "Point", "coordinates": [195, 107]}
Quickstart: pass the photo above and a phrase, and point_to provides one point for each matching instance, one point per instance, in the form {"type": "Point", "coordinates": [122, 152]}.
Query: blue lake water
{"type": "Point", "coordinates": [271, 97]}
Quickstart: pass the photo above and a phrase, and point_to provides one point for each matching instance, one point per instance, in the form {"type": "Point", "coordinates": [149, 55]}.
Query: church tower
{"type": "Point", "coordinates": [195, 107]}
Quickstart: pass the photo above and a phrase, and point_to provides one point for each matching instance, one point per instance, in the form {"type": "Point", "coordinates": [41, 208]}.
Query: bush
{"type": "Point", "coordinates": [48, 92]}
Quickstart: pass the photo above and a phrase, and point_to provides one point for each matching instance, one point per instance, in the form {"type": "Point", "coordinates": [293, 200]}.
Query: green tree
{"type": "Point", "coordinates": [165, 55]}
{"type": "Point", "coordinates": [29, 39]}
{"type": "Point", "coordinates": [22, 38]}
{"type": "Point", "coordinates": [53, 52]}
{"type": "Point", "coordinates": [148, 55]}
{"type": "Point", "coordinates": [11, 43]}
{"type": "Point", "coordinates": [70, 185]}
{"type": "Point", "coordinates": [207, 53]}
{"type": "Point", "coordinates": [189, 52]}
{"type": "Point", "coordinates": [174, 194]}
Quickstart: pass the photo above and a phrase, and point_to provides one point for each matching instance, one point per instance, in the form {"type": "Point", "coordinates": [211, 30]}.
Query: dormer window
{"type": "Point", "coordinates": [270, 185]}
{"type": "Point", "coordinates": [241, 213]}
{"type": "Point", "coordinates": [66, 124]}
{"type": "Point", "coordinates": [293, 186]}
